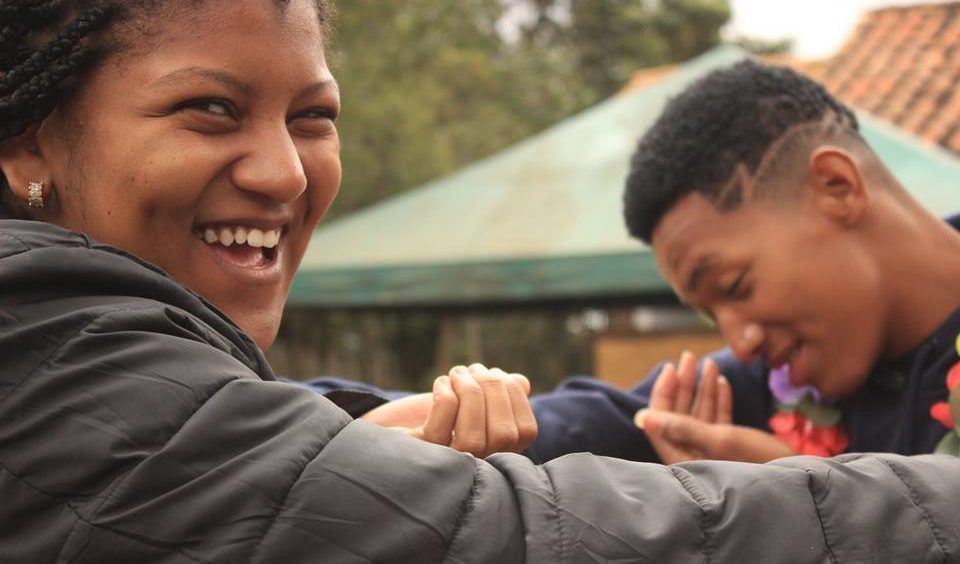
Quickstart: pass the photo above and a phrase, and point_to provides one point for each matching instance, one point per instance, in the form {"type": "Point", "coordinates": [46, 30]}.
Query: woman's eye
{"type": "Point", "coordinates": [317, 113]}
{"type": "Point", "coordinates": [317, 120]}
{"type": "Point", "coordinates": [218, 108]}
{"type": "Point", "coordinates": [215, 107]}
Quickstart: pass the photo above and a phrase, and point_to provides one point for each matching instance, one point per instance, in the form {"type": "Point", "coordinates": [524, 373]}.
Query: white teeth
{"type": "Point", "coordinates": [229, 236]}
{"type": "Point", "coordinates": [255, 238]}
{"type": "Point", "coordinates": [270, 239]}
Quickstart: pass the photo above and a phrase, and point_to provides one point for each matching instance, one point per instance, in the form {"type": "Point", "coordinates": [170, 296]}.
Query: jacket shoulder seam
{"type": "Point", "coordinates": [67, 338]}
{"type": "Point", "coordinates": [915, 500]}
{"type": "Point", "coordinates": [23, 244]}
{"type": "Point", "coordinates": [255, 553]}
{"type": "Point", "coordinates": [80, 519]}
{"type": "Point", "coordinates": [53, 352]}
{"type": "Point", "coordinates": [121, 479]}
{"type": "Point", "coordinates": [811, 480]}
{"type": "Point", "coordinates": [686, 482]}
{"type": "Point", "coordinates": [555, 506]}
{"type": "Point", "coordinates": [465, 507]}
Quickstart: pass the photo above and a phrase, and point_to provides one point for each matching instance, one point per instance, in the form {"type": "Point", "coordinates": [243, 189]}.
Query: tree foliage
{"type": "Point", "coordinates": [605, 41]}
{"type": "Point", "coordinates": [431, 85]}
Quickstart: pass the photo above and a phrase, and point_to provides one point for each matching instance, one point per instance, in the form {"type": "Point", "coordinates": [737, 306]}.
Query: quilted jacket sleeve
{"type": "Point", "coordinates": [141, 439]}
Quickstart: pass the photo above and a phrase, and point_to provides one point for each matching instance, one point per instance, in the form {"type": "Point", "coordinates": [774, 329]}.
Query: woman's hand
{"type": "Point", "coordinates": [686, 423]}
{"type": "Point", "coordinates": [476, 410]}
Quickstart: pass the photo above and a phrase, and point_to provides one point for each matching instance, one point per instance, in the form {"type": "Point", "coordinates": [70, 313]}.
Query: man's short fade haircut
{"type": "Point", "coordinates": [714, 137]}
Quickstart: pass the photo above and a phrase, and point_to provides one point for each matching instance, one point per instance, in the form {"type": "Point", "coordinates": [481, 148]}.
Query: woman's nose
{"type": "Point", "coordinates": [272, 167]}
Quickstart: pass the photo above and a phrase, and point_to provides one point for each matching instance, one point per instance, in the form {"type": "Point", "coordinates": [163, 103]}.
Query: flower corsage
{"type": "Point", "coordinates": [804, 420]}
{"type": "Point", "coordinates": [948, 412]}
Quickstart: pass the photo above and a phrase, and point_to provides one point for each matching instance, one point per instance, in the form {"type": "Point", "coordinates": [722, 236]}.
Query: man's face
{"type": "Point", "coordinates": [783, 282]}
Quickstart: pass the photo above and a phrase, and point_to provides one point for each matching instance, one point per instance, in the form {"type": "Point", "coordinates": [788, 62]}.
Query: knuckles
{"type": "Point", "coordinates": [472, 445]}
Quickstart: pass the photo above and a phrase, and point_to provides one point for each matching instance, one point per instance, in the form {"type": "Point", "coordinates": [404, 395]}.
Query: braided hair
{"type": "Point", "coordinates": [46, 48]}
{"type": "Point", "coordinates": [721, 136]}
{"type": "Point", "coordinates": [34, 81]}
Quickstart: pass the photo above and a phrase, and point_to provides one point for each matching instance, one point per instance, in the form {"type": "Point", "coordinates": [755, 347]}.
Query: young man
{"type": "Point", "coordinates": [768, 211]}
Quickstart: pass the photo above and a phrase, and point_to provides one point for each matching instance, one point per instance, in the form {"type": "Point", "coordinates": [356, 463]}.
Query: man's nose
{"type": "Point", "coordinates": [744, 336]}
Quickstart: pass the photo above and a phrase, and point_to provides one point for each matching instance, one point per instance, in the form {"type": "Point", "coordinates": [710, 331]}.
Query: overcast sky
{"type": "Point", "coordinates": [818, 27]}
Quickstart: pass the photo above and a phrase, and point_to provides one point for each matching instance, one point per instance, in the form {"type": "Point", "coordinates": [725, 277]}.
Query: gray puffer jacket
{"type": "Point", "coordinates": [138, 425]}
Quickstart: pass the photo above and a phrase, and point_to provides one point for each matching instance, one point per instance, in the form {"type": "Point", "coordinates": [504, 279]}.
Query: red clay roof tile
{"type": "Point", "coordinates": [901, 64]}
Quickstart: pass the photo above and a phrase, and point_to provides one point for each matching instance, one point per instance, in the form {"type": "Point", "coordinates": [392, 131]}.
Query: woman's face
{"type": "Point", "coordinates": [209, 149]}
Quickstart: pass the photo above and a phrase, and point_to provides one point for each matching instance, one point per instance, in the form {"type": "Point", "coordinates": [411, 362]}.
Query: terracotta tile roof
{"type": "Point", "coordinates": [903, 65]}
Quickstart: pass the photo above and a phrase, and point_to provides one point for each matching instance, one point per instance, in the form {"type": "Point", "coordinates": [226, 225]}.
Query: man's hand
{"type": "Point", "coordinates": [685, 423]}
{"type": "Point", "coordinates": [680, 438]}
{"type": "Point", "coordinates": [676, 391]}
{"type": "Point", "coordinates": [476, 410]}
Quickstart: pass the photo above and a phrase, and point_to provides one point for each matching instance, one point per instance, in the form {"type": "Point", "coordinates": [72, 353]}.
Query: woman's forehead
{"type": "Point", "coordinates": [228, 24]}
{"type": "Point", "coordinates": [149, 23]}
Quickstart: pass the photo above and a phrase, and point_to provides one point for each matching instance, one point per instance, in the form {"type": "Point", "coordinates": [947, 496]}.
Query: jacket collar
{"type": "Point", "coordinates": [5, 213]}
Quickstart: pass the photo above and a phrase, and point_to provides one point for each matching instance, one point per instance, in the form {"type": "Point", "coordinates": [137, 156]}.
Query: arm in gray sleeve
{"type": "Point", "coordinates": [138, 442]}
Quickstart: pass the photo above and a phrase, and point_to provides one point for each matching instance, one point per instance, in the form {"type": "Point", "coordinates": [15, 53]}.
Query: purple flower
{"type": "Point", "coordinates": [780, 387]}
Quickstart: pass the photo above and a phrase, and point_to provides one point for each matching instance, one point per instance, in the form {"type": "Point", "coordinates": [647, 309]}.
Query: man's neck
{"type": "Point", "coordinates": [922, 275]}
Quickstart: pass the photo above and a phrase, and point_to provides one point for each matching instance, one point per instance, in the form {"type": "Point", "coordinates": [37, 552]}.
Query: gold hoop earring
{"type": "Point", "coordinates": [35, 194]}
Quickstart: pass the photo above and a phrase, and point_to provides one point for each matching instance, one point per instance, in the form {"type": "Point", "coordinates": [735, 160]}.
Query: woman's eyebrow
{"type": "Point", "coordinates": [223, 77]}
{"type": "Point", "coordinates": [320, 87]}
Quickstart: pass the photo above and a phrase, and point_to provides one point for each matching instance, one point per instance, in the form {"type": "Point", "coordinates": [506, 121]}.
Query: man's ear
{"type": "Point", "coordinates": [22, 162]}
{"type": "Point", "coordinates": [836, 183]}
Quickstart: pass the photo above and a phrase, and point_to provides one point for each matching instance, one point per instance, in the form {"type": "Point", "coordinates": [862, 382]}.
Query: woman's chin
{"type": "Point", "coordinates": [260, 324]}
{"type": "Point", "coordinates": [263, 334]}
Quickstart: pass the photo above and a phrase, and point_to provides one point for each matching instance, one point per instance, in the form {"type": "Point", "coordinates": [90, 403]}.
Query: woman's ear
{"type": "Point", "coordinates": [837, 185]}
{"type": "Point", "coordinates": [22, 163]}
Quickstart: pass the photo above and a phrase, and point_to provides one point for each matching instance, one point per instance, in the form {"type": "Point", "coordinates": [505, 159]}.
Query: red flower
{"type": "Point", "coordinates": [941, 410]}
{"type": "Point", "coordinates": [806, 438]}
{"type": "Point", "coordinates": [953, 377]}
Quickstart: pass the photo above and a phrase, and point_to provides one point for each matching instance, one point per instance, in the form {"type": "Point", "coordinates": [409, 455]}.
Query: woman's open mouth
{"type": "Point", "coordinates": [243, 246]}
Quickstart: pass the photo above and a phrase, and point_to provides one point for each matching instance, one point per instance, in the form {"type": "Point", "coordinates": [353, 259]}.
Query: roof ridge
{"type": "Point", "coordinates": [909, 7]}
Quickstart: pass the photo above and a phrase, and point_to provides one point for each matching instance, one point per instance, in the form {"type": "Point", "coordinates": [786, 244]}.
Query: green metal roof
{"type": "Point", "coordinates": [542, 220]}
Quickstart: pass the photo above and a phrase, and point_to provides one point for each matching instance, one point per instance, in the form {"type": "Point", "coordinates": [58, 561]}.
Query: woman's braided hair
{"type": "Point", "coordinates": [34, 79]}
{"type": "Point", "coordinates": [43, 53]}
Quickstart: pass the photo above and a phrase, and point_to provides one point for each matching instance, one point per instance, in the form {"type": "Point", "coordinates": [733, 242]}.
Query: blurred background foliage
{"type": "Point", "coordinates": [429, 86]}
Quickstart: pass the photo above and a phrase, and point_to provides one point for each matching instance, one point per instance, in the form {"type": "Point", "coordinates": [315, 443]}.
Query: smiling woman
{"type": "Point", "coordinates": [214, 163]}
{"type": "Point", "coordinates": [166, 162]}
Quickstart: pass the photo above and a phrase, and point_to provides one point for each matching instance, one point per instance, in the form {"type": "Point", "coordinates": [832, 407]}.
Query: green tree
{"type": "Point", "coordinates": [432, 85]}
{"type": "Point", "coordinates": [760, 46]}
{"type": "Point", "coordinates": [428, 86]}
{"type": "Point", "coordinates": [605, 41]}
